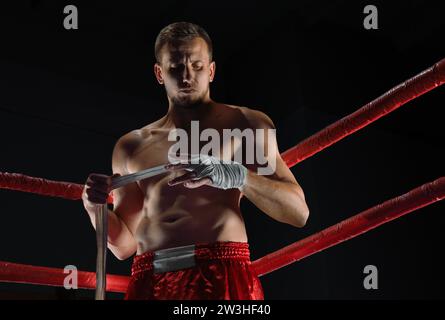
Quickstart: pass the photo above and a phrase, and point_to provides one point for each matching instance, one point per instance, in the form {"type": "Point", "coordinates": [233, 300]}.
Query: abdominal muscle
{"type": "Point", "coordinates": [176, 216]}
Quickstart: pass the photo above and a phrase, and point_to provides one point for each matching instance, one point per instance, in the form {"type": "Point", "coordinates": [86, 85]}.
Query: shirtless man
{"type": "Point", "coordinates": [179, 209]}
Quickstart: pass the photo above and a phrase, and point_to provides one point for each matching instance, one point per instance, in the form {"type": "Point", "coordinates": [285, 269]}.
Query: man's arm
{"type": "Point", "coordinates": [278, 195]}
{"type": "Point", "coordinates": [128, 202]}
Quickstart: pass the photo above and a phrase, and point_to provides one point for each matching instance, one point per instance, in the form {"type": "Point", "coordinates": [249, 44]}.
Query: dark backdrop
{"type": "Point", "coordinates": [68, 95]}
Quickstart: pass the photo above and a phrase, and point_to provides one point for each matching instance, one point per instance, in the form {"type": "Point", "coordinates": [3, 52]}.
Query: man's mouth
{"type": "Point", "coordinates": [187, 90]}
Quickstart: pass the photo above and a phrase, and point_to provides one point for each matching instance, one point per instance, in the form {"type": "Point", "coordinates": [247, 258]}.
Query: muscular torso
{"type": "Point", "coordinates": [174, 216]}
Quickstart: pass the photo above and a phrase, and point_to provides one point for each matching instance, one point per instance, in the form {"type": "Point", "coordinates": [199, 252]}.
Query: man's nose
{"type": "Point", "coordinates": [187, 74]}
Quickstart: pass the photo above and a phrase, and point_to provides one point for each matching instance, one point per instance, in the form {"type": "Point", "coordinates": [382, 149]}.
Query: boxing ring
{"type": "Point", "coordinates": [362, 222]}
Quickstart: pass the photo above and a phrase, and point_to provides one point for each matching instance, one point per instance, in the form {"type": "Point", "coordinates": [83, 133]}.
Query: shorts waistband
{"type": "Point", "coordinates": [183, 257]}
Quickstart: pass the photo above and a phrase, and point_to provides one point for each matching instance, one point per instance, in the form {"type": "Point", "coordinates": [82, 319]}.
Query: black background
{"type": "Point", "coordinates": [68, 95]}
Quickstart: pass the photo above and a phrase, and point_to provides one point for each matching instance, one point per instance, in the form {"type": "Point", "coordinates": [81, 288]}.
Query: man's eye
{"type": "Point", "coordinates": [197, 66]}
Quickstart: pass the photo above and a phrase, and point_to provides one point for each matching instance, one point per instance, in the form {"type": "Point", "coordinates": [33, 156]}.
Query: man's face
{"type": "Point", "coordinates": [185, 70]}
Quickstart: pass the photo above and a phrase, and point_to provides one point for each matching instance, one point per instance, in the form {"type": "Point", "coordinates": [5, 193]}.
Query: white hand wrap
{"type": "Point", "coordinates": [224, 174]}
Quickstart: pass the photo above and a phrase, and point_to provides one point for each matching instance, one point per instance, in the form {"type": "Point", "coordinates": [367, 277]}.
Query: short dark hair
{"type": "Point", "coordinates": [181, 31]}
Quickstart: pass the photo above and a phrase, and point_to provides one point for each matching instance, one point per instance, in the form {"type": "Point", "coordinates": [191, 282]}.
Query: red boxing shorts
{"type": "Point", "coordinates": [206, 271]}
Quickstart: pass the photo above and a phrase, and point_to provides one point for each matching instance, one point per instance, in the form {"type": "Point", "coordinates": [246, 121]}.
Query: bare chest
{"type": "Point", "coordinates": [154, 150]}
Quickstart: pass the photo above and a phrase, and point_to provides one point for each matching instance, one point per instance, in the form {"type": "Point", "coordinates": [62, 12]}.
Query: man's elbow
{"type": "Point", "coordinates": [121, 256]}
{"type": "Point", "coordinates": [121, 253]}
{"type": "Point", "coordinates": [301, 221]}
{"type": "Point", "coordinates": [301, 211]}
{"type": "Point", "coordinates": [300, 216]}
{"type": "Point", "coordinates": [297, 218]}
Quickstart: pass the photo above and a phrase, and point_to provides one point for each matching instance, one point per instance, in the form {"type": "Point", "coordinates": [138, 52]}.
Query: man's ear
{"type": "Point", "coordinates": [212, 70]}
{"type": "Point", "coordinates": [158, 73]}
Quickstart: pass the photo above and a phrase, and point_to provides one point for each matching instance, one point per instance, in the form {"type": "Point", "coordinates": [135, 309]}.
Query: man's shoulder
{"type": "Point", "coordinates": [256, 118]}
{"type": "Point", "coordinates": [133, 139]}
{"type": "Point", "coordinates": [128, 142]}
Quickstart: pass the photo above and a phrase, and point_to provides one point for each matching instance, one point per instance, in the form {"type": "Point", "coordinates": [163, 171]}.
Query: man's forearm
{"type": "Point", "coordinates": [282, 201]}
{"type": "Point", "coordinates": [120, 240]}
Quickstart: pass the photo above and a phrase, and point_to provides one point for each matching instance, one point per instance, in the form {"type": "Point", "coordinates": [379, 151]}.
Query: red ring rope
{"type": "Point", "coordinates": [352, 227]}
{"type": "Point", "coordinates": [21, 273]}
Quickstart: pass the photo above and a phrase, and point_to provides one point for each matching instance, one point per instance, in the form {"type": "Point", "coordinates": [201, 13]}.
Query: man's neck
{"type": "Point", "coordinates": [181, 117]}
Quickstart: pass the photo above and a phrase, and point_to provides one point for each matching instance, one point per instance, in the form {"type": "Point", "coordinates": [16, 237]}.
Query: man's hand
{"type": "Point", "coordinates": [96, 190]}
{"type": "Point", "coordinates": [208, 170]}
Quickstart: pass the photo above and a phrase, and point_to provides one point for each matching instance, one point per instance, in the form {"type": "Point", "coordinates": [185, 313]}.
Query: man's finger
{"type": "Point", "coordinates": [97, 193]}
{"type": "Point", "coordinates": [185, 177]}
{"type": "Point", "coordinates": [192, 184]}
{"type": "Point", "coordinates": [177, 166]}
{"type": "Point", "coordinates": [91, 183]}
